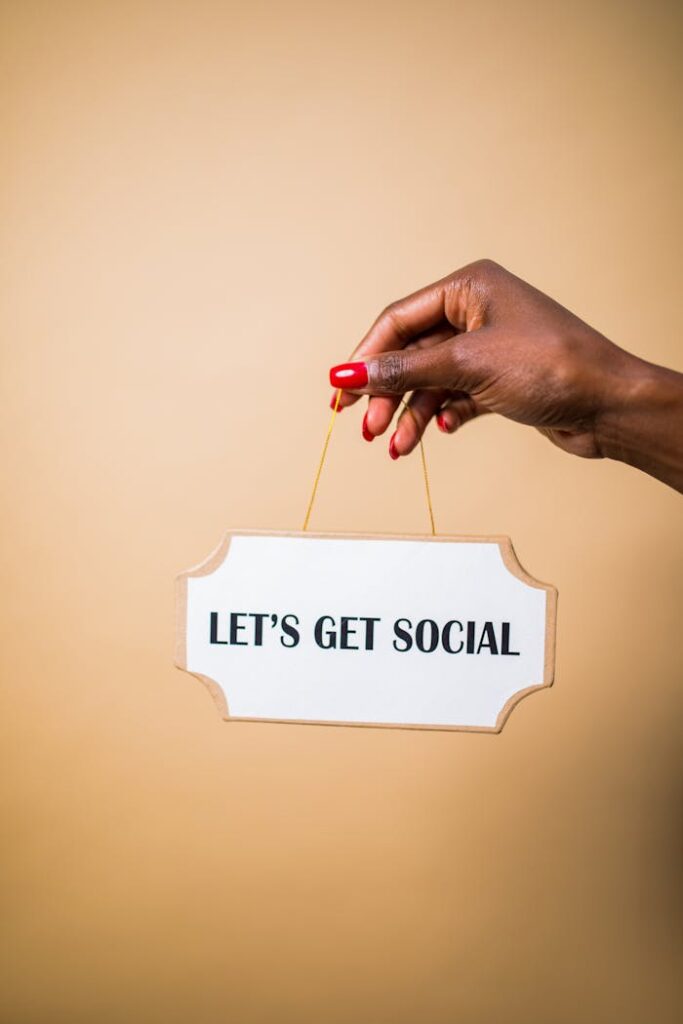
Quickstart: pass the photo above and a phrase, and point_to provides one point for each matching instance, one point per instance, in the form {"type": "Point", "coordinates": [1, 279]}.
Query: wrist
{"type": "Point", "coordinates": [641, 421]}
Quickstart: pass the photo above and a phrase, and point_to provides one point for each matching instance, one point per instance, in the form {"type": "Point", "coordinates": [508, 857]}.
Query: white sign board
{"type": "Point", "coordinates": [443, 632]}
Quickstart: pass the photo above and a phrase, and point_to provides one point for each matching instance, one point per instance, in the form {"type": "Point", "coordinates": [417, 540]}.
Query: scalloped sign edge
{"type": "Point", "coordinates": [510, 561]}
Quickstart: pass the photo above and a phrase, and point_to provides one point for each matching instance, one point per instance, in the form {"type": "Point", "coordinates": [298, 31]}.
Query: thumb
{"type": "Point", "coordinates": [394, 373]}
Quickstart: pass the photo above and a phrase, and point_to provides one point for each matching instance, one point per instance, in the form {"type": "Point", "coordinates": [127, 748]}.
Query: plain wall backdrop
{"type": "Point", "coordinates": [204, 205]}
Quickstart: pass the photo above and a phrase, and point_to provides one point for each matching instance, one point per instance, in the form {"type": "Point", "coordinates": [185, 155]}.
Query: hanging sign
{"type": "Point", "coordinates": [440, 632]}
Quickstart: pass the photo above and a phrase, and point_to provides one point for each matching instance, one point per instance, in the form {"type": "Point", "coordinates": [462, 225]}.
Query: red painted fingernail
{"type": "Point", "coordinates": [349, 375]}
{"type": "Point", "coordinates": [441, 423]}
{"type": "Point", "coordinates": [366, 433]}
{"type": "Point", "coordinates": [333, 403]}
{"type": "Point", "coordinates": [392, 448]}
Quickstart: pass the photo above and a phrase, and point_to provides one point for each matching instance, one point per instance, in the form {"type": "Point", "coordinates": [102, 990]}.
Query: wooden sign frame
{"type": "Point", "coordinates": [510, 560]}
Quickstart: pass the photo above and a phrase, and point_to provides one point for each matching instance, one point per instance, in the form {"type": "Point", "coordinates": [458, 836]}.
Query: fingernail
{"type": "Point", "coordinates": [366, 433]}
{"type": "Point", "coordinates": [349, 375]}
{"type": "Point", "coordinates": [441, 423]}
{"type": "Point", "coordinates": [333, 403]}
{"type": "Point", "coordinates": [392, 448]}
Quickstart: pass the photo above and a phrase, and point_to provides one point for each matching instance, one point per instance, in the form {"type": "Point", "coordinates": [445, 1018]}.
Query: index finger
{"type": "Point", "coordinates": [405, 320]}
{"type": "Point", "coordinates": [401, 323]}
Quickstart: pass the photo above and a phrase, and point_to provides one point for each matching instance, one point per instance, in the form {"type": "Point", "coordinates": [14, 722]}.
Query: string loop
{"type": "Point", "coordinates": [323, 456]}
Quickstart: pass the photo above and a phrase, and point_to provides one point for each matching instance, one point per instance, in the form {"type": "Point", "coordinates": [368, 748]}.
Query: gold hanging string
{"type": "Point", "coordinates": [323, 456]}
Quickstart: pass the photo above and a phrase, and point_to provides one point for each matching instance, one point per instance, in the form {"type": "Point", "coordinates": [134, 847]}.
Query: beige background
{"type": "Point", "coordinates": [204, 206]}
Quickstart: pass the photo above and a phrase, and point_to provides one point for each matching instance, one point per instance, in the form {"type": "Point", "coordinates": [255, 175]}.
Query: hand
{"type": "Point", "coordinates": [482, 340]}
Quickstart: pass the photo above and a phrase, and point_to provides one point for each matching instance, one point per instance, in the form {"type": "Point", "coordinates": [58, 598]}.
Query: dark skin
{"type": "Point", "coordinates": [483, 341]}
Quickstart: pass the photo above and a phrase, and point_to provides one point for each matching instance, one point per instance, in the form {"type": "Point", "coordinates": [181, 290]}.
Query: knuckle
{"type": "Point", "coordinates": [470, 292]}
{"type": "Point", "coordinates": [393, 375]}
{"type": "Point", "coordinates": [481, 272]}
{"type": "Point", "coordinates": [477, 270]}
{"type": "Point", "coordinates": [393, 317]}
{"type": "Point", "coordinates": [388, 312]}
{"type": "Point", "coordinates": [484, 269]}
